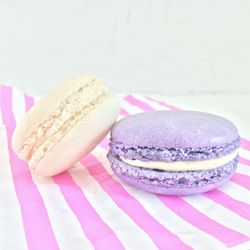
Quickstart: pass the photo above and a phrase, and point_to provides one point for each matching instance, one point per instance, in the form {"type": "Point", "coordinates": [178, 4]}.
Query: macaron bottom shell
{"type": "Point", "coordinates": [170, 182]}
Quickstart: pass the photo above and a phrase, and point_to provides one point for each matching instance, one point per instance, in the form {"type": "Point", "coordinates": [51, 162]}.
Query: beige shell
{"type": "Point", "coordinates": [82, 137]}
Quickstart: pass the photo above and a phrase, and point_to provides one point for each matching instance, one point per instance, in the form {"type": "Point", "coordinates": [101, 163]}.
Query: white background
{"type": "Point", "coordinates": [171, 47]}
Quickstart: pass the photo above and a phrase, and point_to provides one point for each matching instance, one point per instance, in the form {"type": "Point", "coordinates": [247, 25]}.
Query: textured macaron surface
{"type": "Point", "coordinates": [173, 136]}
{"type": "Point", "coordinates": [169, 182]}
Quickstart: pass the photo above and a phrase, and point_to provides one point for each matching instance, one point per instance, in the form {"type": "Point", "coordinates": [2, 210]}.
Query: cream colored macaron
{"type": "Point", "coordinates": [65, 125]}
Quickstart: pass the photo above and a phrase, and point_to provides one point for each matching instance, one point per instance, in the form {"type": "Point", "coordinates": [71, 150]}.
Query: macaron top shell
{"type": "Point", "coordinates": [174, 129]}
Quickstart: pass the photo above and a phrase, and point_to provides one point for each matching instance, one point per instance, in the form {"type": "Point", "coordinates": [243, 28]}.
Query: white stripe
{"type": "Point", "coordinates": [219, 213]}
{"type": "Point", "coordinates": [18, 104]}
{"type": "Point", "coordinates": [243, 169]}
{"type": "Point", "coordinates": [236, 191]}
{"type": "Point", "coordinates": [242, 246]}
{"type": "Point", "coordinates": [195, 238]}
{"type": "Point", "coordinates": [66, 227]}
{"type": "Point", "coordinates": [128, 232]}
{"type": "Point", "coordinates": [244, 153]}
{"type": "Point", "coordinates": [10, 212]}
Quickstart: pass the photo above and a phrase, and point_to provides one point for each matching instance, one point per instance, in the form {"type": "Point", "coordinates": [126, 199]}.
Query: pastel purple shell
{"type": "Point", "coordinates": [173, 136]}
{"type": "Point", "coordinates": [172, 183]}
{"type": "Point", "coordinates": [174, 129]}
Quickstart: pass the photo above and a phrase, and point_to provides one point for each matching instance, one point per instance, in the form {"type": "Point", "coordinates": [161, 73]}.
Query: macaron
{"type": "Point", "coordinates": [65, 125]}
{"type": "Point", "coordinates": [174, 152]}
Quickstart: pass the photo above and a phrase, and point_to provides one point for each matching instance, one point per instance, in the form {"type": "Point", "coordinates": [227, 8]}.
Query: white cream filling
{"type": "Point", "coordinates": [183, 165]}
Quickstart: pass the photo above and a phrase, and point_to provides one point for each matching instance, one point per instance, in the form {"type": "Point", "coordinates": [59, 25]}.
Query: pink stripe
{"type": "Point", "coordinates": [187, 212]}
{"type": "Point", "coordinates": [242, 180]}
{"type": "Point", "coordinates": [244, 161]}
{"type": "Point", "coordinates": [29, 102]}
{"type": "Point", "coordinates": [245, 143]}
{"type": "Point", "coordinates": [38, 231]}
{"type": "Point", "coordinates": [162, 103]}
{"type": "Point", "coordinates": [105, 142]}
{"type": "Point", "coordinates": [124, 112]}
{"type": "Point", "coordinates": [144, 106]}
{"type": "Point", "coordinates": [159, 234]}
{"type": "Point", "coordinates": [236, 206]}
{"type": "Point", "coordinates": [101, 236]}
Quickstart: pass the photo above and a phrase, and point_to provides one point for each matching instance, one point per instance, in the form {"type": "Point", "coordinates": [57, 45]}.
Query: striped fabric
{"type": "Point", "coordinates": [87, 207]}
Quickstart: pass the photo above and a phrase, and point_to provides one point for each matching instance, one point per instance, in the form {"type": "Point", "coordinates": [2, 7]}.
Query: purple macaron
{"type": "Point", "coordinates": [174, 152]}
